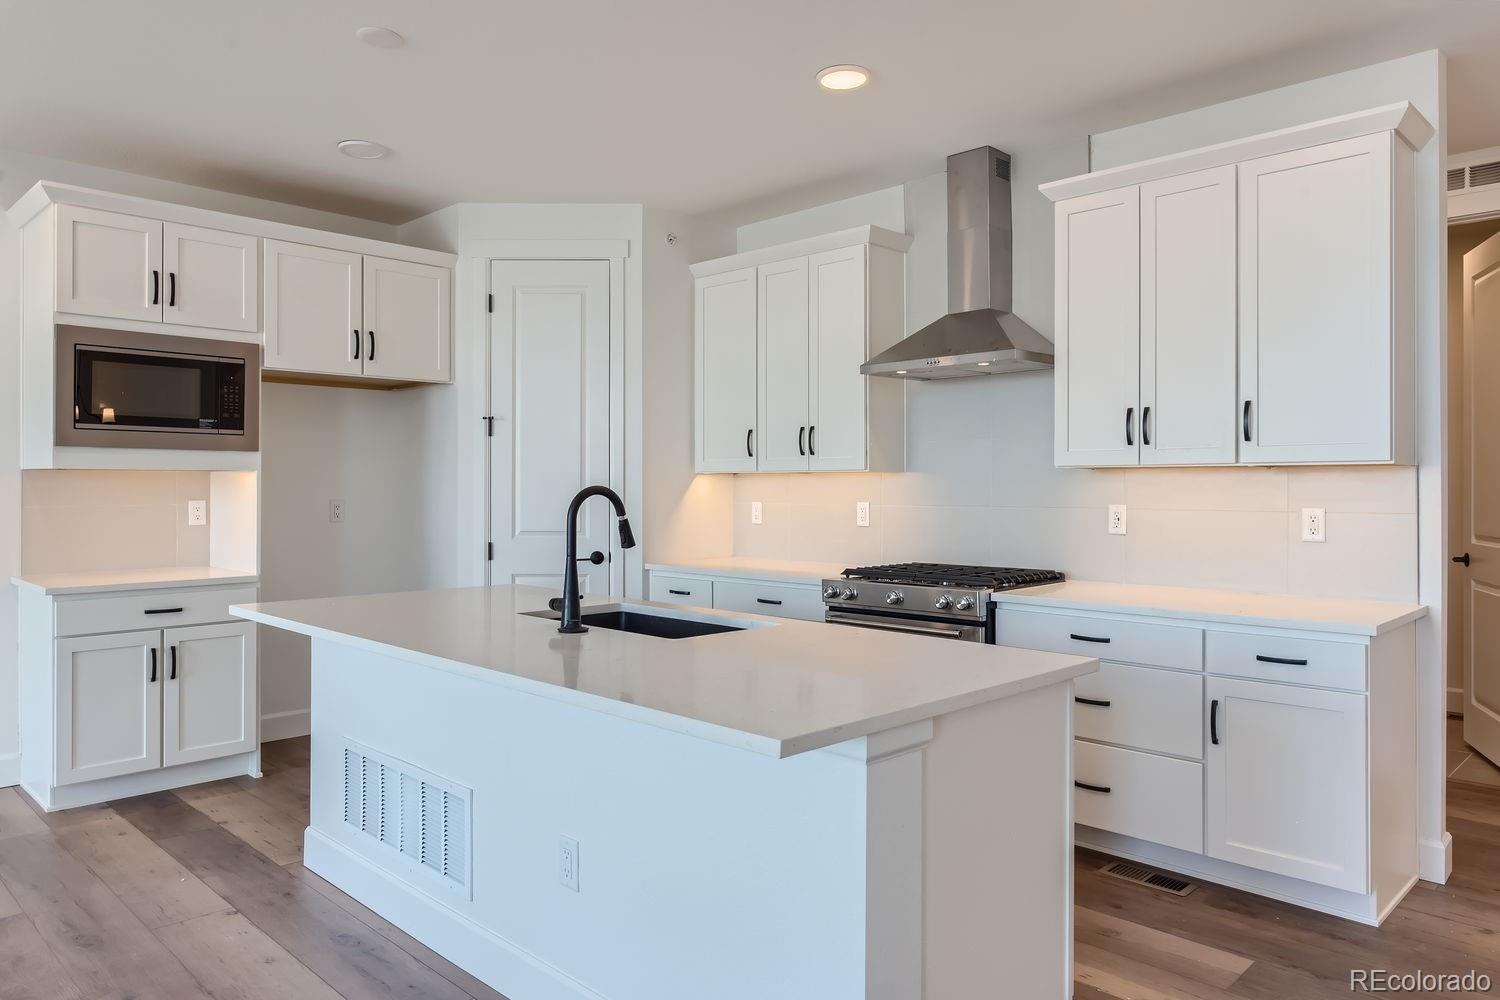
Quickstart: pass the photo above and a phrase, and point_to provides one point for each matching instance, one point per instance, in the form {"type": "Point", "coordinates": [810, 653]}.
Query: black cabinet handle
{"type": "Point", "coordinates": [162, 611]}
{"type": "Point", "coordinates": [356, 345]}
{"type": "Point", "coordinates": [1281, 659]}
{"type": "Point", "coordinates": [1245, 421]}
{"type": "Point", "coordinates": [1130, 426]}
{"type": "Point", "coordinates": [152, 678]}
{"type": "Point", "coordinates": [172, 289]}
{"type": "Point", "coordinates": [1213, 721]}
{"type": "Point", "coordinates": [370, 355]}
{"type": "Point", "coordinates": [680, 593]}
{"type": "Point", "coordinates": [1146, 426]}
{"type": "Point", "coordinates": [173, 675]}
{"type": "Point", "coordinates": [801, 433]}
{"type": "Point", "coordinates": [1088, 638]}
{"type": "Point", "coordinates": [155, 287]}
{"type": "Point", "coordinates": [767, 600]}
{"type": "Point", "coordinates": [810, 449]}
{"type": "Point", "coordinates": [1100, 702]}
{"type": "Point", "coordinates": [1462, 559]}
{"type": "Point", "coordinates": [749, 452]}
{"type": "Point", "coordinates": [1091, 788]}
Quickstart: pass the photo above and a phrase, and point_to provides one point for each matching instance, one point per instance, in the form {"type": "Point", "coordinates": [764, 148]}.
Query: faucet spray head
{"type": "Point", "coordinates": [627, 537]}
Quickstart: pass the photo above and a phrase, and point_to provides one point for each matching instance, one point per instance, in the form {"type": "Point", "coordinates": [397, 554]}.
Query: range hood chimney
{"type": "Point", "coordinates": [980, 335]}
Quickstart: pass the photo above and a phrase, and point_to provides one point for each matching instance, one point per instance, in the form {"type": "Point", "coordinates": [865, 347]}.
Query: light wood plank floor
{"type": "Point", "coordinates": [201, 893]}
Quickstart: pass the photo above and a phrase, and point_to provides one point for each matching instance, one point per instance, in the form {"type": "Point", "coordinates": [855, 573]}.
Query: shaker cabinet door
{"type": "Point", "coordinates": [406, 320]}
{"type": "Point", "coordinates": [314, 320]}
{"type": "Point", "coordinates": [212, 278]}
{"type": "Point", "coordinates": [209, 692]}
{"type": "Point", "coordinates": [108, 703]}
{"type": "Point", "coordinates": [725, 382]}
{"type": "Point", "coordinates": [838, 418]}
{"type": "Point", "coordinates": [109, 264]}
{"type": "Point", "coordinates": [782, 327]}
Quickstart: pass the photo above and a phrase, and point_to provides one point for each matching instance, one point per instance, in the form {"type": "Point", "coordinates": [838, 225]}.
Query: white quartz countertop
{"type": "Point", "coordinates": [104, 581]}
{"type": "Point", "coordinates": [781, 687]}
{"type": "Point", "coordinates": [1314, 614]}
{"type": "Point", "coordinates": [755, 569]}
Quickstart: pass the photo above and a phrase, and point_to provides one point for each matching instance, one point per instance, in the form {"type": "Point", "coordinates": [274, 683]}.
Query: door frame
{"type": "Point", "coordinates": [474, 406]}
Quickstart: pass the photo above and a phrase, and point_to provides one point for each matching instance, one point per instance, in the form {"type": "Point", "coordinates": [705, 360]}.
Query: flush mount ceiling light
{"type": "Point", "coordinates": [843, 77]}
{"type": "Point", "coordinates": [363, 149]}
{"type": "Point", "coordinates": [380, 38]}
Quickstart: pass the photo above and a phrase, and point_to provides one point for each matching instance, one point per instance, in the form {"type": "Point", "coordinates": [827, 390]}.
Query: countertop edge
{"type": "Point", "coordinates": [133, 585]}
{"type": "Point", "coordinates": [1329, 626]}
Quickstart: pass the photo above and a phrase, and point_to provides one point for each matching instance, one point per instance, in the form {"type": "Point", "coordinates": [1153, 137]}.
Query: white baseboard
{"type": "Point", "coordinates": [1456, 701]}
{"type": "Point", "coordinates": [10, 770]}
{"type": "Point", "coordinates": [1435, 859]}
{"type": "Point", "coordinates": [159, 779]}
{"type": "Point", "coordinates": [497, 961]}
{"type": "Point", "coordinates": [285, 725]}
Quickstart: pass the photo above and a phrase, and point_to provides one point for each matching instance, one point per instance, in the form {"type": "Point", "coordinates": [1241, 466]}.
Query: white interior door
{"type": "Point", "coordinates": [724, 338]}
{"type": "Point", "coordinates": [782, 335]}
{"type": "Point", "coordinates": [406, 320]}
{"type": "Point", "coordinates": [838, 419]}
{"type": "Point", "coordinates": [108, 264]}
{"type": "Point", "coordinates": [1188, 319]}
{"type": "Point", "coordinates": [213, 278]}
{"type": "Point", "coordinates": [549, 391]}
{"type": "Point", "coordinates": [1481, 533]}
{"type": "Point", "coordinates": [209, 695]}
{"type": "Point", "coordinates": [313, 309]}
{"type": "Point", "coordinates": [108, 700]}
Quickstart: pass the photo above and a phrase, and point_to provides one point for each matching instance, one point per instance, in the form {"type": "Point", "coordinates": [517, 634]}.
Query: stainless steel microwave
{"type": "Point", "coordinates": [117, 389]}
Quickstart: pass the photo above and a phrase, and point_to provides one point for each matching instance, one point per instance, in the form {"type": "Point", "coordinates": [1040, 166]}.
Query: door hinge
{"type": "Point", "coordinates": [489, 302]}
{"type": "Point", "coordinates": [489, 551]}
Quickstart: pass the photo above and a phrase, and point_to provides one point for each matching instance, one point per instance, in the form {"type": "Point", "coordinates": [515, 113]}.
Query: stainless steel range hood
{"type": "Point", "coordinates": [980, 335]}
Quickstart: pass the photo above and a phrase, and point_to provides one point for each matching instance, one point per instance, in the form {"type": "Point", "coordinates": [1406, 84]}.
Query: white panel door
{"type": "Point", "coordinates": [836, 437]}
{"type": "Point", "coordinates": [313, 309]}
{"type": "Point", "coordinates": [210, 695]}
{"type": "Point", "coordinates": [782, 335]}
{"type": "Point", "coordinates": [1284, 781]}
{"type": "Point", "coordinates": [108, 264]}
{"type": "Point", "coordinates": [549, 390]}
{"type": "Point", "coordinates": [1097, 394]}
{"type": "Point", "coordinates": [1188, 319]}
{"type": "Point", "coordinates": [213, 278]}
{"type": "Point", "coordinates": [1315, 304]}
{"type": "Point", "coordinates": [725, 386]}
{"type": "Point", "coordinates": [1481, 528]}
{"type": "Point", "coordinates": [108, 702]}
{"type": "Point", "coordinates": [406, 320]}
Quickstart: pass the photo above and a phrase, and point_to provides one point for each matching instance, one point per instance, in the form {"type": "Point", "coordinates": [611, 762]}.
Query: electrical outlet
{"type": "Point", "coordinates": [197, 511]}
{"type": "Point", "coordinates": [335, 512]}
{"type": "Point", "coordinates": [756, 514]}
{"type": "Point", "coordinates": [1117, 519]}
{"type": "Point", "coordinates": [862, 514]}
{"type": "Point", "coordinates": [1314, 525]}
{"type": "Point", "coordinates": [567, 863]}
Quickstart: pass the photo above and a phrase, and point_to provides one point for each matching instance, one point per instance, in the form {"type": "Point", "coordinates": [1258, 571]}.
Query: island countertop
{"type": "Point", "coordinates": [780, 687]}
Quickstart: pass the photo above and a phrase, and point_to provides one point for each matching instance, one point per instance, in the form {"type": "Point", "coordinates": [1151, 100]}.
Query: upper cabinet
{"type": "Point", "coordinates": [212, 278]}
{"type": "Point", "coordinates": [1244, 303]}
{"type": "Point", "coordinates": [313, 309]}
{"type": "Point", "coordinates": [780, 334]}
{"type": "Point", "coordinates": [406, 320]}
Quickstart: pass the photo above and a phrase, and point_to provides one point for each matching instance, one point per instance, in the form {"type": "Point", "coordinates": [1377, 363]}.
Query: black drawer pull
{"type": "Point", "coordinates": [1091, 788]}
{"type": "Point", "coordinates": [357, 342]}
{"type": "Point", "coordinates": [767, 600]}
{"type": "Point", "coordinates": [172, 285]}
{"type": "Point", "coordinates": [1088, 638]}
{"type": "Point", "coordinates": [1245, 422]}
{"type": "Point", "coordinates": [162, 611]}
{"type": "Point", "coordinates": [680, 593]}
{"type": "Point", "coordinates": [1286, 661]}
{"type": "Point", "coordinates": [152, 678]}
{"type": "Point", "coordinates": [173, 675]}
{"type": "Point", "coordinates": [1100, 702]}
{"type": "Point", "coordinates": [155, 288]}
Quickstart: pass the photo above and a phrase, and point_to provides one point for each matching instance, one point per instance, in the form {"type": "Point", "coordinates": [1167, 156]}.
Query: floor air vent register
{"type": "Point", "coordinates": [1141, 875]}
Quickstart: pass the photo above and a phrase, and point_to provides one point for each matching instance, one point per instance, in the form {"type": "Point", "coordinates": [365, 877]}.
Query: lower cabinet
{"type": "Point", "coordinates": [762, 597]}
{"type": "Point", "coordinates": [208, 699]}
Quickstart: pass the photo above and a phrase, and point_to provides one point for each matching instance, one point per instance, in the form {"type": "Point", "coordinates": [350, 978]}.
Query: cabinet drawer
{"type": "Point", "coordinates": [1314, 662]}
{"type": "Point", "coordinates": [1159, 799]}
{"type": "Point", "coordinates": [682, 590]}
{"type": "Point", "coordinates": [779, 599]}
{"type": "Point", "coordinates": [148, 609]}
{"type": "Point", "coordinates": [1133, 642]}
{"type": "Point", "coordinates": [1146, 708]}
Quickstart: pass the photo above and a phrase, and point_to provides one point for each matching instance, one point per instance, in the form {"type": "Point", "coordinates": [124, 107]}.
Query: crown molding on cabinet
{"type": "Point", "coordinates": [1401, 118]}
{"type": "Point", "coordinates": [872, 235]}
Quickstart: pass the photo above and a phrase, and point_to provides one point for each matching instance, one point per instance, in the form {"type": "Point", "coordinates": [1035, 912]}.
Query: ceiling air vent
{"type": "Point", "coordinates": [419, 821]}
{"type": "Point", "coordinates": [1456, 179]}
{"type": "Point", "coordinates": [1481, 174]}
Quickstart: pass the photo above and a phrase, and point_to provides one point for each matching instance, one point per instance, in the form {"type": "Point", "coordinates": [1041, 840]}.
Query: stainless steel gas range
{"type": "Point", "coordinates": [936, 599]}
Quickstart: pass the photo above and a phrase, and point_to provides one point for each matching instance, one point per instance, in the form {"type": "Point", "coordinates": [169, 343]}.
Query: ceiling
{"type": "Point", "coordinates": [700, 106]}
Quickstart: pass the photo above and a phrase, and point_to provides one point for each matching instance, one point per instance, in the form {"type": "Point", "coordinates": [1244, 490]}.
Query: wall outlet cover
{"type": "Point", "coordinates": [1314, 524]}
{"type": "Point", "coordinates": [757, 515]}
{"type": "Point", "coordinates": [1116, 523]}
{"type": "Point", "coordinates": [862, 514]}
{"type": "Point", "coordinates": [335, 512]}
{"type": "Point", "coordinates": [567, 863]}
{"type": "Point", "coordinates": [197, 512]}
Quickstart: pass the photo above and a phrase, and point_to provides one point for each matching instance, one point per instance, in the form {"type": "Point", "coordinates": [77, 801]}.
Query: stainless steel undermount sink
{"type": "Point", "coordinates": [645, 623]}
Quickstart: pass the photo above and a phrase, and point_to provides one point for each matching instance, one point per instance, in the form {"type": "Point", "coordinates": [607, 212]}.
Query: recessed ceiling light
{"type": "Point", "coordinates": [983, 364]}
{"type": "Point", "coordinates": [843, 77]}
{"type": "Point", "coordinates": [363, 149]}
{"type": "Point", "coordinates": [380, 38]}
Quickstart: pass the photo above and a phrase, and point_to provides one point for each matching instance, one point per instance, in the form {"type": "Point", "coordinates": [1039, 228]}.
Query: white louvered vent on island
{"type": "Point", "coordinates": [422, 819]}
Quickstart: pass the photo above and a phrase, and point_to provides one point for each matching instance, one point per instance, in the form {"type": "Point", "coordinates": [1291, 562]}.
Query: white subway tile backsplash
{"type": "Point", "coordinates": [1356, 489]}
{"type": "Point", "coordinates": [1228, 550]}
{"type": "Point", "coordinates": [767, 540]}
{"type": "Point", "coordinates": [76, 520]}
{"type": "Point", "coordinates": [1071, 539]}
{"type": "Point", "coordinates": [1207, 489]}
{"type": "Point", "coordinates": [1365, 555]}
{"type": "Point", "coordinates": [934, 534]}
{"type": "Point", "coordinates": [827, 533]}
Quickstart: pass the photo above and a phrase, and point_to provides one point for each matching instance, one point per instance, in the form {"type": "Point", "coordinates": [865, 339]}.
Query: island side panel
{"type": "Point", "coordinates": [703, 870]}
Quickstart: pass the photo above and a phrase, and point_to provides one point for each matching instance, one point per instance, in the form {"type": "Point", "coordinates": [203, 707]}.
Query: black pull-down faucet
{"type": "Point", "coordinates": [571, 613]}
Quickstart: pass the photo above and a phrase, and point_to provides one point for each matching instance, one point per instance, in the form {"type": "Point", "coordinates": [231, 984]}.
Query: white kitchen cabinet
{"type": "Point", "coordinates": [108, 704]}
{"type": "Point", "coordinates": [725, 373]}
{"type": "Point", "coordinates": [108, 264]}
{"type": "Point", "coordinates": [839, 299]}
{"type": "Point", "coordinates": [1285, 781]}
{"type": "Point", "coordinates": [406, 320]}
{"type": "Point", "coordinates": [209, 696]}
{"type": "Point", "coordinates": [314, 309]}
{"type": "Point", "coordinates": [783, 334]}
{"type": "Point", "coordinates": [212, 278]}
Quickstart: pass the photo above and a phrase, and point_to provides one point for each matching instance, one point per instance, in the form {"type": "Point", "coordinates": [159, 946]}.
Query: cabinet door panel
{"type": "Point", "coordinates": [313, 309]}
{"type": "Point", "coordinates": [406, 320]}
{"type": "Point", "coordinates": [1188, 319]}
{"type": "Point", "coordinates": [1097, 396]}
{"type": "Point", "coordinates": [1316, 331]}
{"type": "Point", "coordinates": [725, 387]}
{"type": "Point", "coordinates": [108, 264]}
{"type": "Point", "coordinates": [836, 436]}
{"type": "Point", "coordinates": [209, 692]}
{"type": "Point", "coordinates": [782, 335]}
{"type": "Point", "coordinates": [108, 700]}
{"type": "Point", "coordinates": [1285, 783]}
{"type": "Point", "coordinates": [212, 278]}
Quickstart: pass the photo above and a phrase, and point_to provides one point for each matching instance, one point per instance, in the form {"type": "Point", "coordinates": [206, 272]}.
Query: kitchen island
{"type": "Point", "coordinates": [781, 809]}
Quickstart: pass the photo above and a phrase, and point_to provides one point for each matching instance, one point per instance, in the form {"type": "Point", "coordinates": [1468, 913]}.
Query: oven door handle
{"type": "Point", "coordinates": [886, 625]}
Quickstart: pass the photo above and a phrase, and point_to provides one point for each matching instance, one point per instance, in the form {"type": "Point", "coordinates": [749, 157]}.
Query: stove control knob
{"type": "Point", "coordinates": [850, 593]}
{"type": "Point", "coordinates": [831, 593]}
{"type": "Point", "coordinates": [966, 603]}
{"type": "Point", "coordinates": [895, 597]}
{"type": "Point", "coordinates": [943, 602]}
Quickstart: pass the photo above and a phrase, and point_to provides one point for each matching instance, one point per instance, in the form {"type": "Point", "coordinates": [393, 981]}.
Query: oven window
{"type": "Point", "coordinates": [145, 390]}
